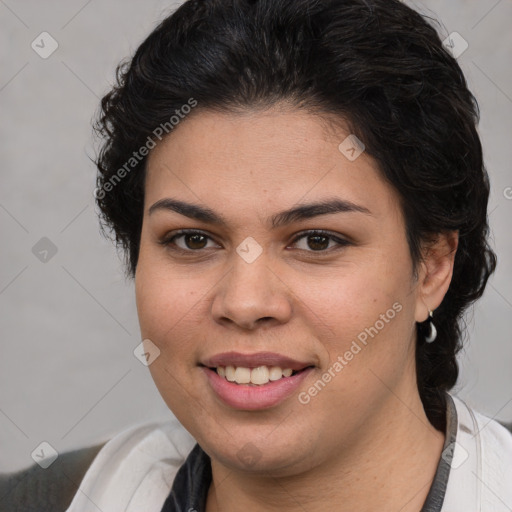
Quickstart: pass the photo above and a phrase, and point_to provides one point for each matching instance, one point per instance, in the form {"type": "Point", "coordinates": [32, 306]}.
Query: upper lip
{"type": "Point", "coordinates": [254, 360]}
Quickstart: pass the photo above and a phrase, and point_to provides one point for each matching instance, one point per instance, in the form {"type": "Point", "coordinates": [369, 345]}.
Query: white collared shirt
{"type": "Point", "coordinates": [135, 470]}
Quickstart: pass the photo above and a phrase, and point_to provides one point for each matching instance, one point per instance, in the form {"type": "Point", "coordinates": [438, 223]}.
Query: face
{"type": "Point", "coordinates": [326, 292]}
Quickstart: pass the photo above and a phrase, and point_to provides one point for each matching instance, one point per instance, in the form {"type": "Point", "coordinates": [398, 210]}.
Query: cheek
{"type": "Point", "coordinates": [164, 293]}
{"type": "Point", "coordinates": [366, 321]}
{"type": "Point", "coordinates": [350, 299]}
{"type": "Point", "coordinates": [166, 305]}
{"type": "Point", "coordinates": [364, 315]}
{"type": "Point", "coordinates": [166, 310]}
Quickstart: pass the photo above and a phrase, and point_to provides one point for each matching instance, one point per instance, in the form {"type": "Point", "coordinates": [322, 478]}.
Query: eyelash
{"type": "Point", "coordinates": [169, 240]}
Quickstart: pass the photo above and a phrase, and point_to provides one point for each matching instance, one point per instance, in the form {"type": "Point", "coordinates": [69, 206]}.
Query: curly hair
{"type": "Point", "coordinates": [376, 64]}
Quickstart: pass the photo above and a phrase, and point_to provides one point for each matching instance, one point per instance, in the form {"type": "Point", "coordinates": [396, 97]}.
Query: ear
{"type": "Point", "coordinates": [435, 273]}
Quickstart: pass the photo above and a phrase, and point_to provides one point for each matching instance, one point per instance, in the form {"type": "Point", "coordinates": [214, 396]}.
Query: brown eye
{"type": "Point", "coordinates": [195, 241]}
{"type": "Point", "coordinates": [191, 241]}
{"type": "Point", "coordinates": [318, 241]}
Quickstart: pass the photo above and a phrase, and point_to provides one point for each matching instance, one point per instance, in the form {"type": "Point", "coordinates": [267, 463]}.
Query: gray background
{"type": "Point", "coordinates": [68, 375]}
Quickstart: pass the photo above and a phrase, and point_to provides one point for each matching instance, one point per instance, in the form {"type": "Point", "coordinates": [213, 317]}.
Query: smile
{"type": "Point", "coordinates": [249, 396]}
{"type": "Point", "coordinates": [256, 376]}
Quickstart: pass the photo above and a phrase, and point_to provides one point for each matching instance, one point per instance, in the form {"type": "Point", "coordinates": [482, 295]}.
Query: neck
{"type": "Point", "coordinates": [390, 466]}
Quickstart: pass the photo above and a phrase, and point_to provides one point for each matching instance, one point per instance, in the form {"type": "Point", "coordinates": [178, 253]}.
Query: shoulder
{"type": "Point", "coordinates": [137, 465]}
{"type": "Point", "coordinates": [481, 463]}
{"type": "Point", "coordinates": [52, 489]}
{"type": "Point", "coordinates": [135, 469]}
{"type": "Point", "coordinates": [494, 438]}
{"type": "Point", "coordinates": [485, 426]}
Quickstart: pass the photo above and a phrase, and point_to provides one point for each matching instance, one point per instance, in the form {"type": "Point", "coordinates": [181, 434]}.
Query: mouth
{"type": "Point", "coordinates": [247, 395]}
{"type": "Point", "coordinates": [254, 381]}
{"type": "Point", "coordinates": [259, 376]}
{"type": "Point", "coordinates": [256, 369]}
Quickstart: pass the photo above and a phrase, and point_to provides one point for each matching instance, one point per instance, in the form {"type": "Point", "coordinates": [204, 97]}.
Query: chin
{"type": "Point", "coordinates": [259, 449]}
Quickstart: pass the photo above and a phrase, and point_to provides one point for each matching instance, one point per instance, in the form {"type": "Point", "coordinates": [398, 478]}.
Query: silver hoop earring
{"type": "Point", "coordinates": [433, 331]}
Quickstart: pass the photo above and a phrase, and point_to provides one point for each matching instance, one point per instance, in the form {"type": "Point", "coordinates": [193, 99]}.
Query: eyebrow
{"type": "Point", "coordinates": [306, 211]}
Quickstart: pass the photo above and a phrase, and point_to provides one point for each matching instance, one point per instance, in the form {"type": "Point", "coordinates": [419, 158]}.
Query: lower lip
{"type": "Point", "coordinates": [253, 398]}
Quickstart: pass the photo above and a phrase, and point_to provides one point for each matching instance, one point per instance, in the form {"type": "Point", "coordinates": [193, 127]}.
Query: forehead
{"type": "Point", "coordinates": [275, 134]}
{"type": "Point", "coordinates": [255, 159]}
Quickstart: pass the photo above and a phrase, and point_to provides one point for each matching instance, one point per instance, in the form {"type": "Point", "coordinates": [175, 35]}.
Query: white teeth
{"type": "Point", "coordinates": [242, 375]}
{"type": "Point", "coordinates": [259, 376]}
{"type": "Point", "coordinates": [230, 373]}
{"type": "Point", "coordinates": [275, 373]}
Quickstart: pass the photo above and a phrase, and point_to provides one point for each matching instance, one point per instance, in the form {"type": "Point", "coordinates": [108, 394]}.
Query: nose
{"type": "Point", "coordinates": [250, 295]}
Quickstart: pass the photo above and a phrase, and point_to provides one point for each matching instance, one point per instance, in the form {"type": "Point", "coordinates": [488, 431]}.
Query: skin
{"type": "Point", "coordinates": [363, 442]}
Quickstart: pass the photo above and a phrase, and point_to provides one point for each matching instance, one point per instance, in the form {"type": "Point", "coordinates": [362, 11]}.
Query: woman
{"type": "Point", "coordinates": [300, 192]}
